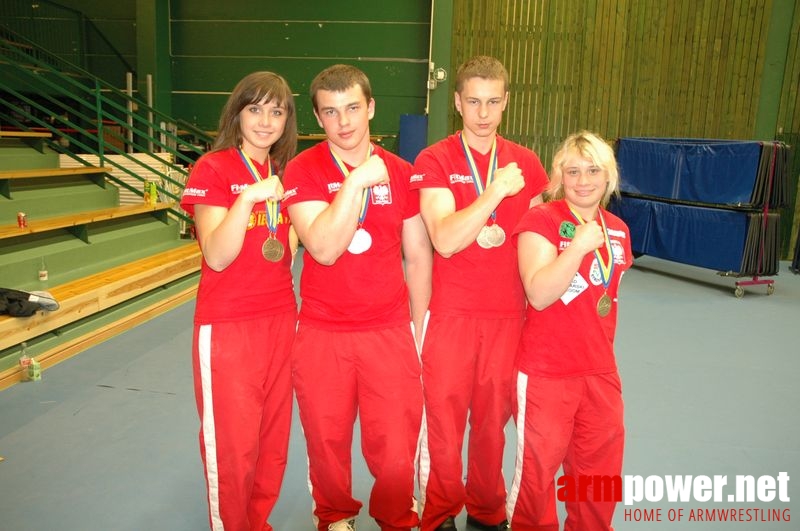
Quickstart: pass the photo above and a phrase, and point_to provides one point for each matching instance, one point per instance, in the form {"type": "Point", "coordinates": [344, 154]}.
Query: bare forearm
{"type": "Point", "coordinates": [551, 281]}
{"type": "Point", "coordinates": [456, 231]}
{"type": "Point", "coordinates": [418, 280]}
{"type": "Point", "coordinates": [329, 233]}
{"type": "Point", "coordinates": [221, 243]}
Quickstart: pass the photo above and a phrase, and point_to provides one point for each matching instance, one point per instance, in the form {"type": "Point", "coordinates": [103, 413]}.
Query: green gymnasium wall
{"type": "Point", "coordinates": [97, 36]}
{"type": "Point", "coordinates": [215, 43]}
{"type": "Point", "coordinates": [208, 45]}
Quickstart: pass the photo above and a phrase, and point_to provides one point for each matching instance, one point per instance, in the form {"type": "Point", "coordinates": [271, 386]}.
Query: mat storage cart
{"type": "Point", "coordinates": [707, 203]}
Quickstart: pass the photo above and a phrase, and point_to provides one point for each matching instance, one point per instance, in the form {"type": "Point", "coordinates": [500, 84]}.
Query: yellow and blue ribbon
{"type": "Point", "coordinates": [272, 207]}
{"type": "Point", "coordinates": [606, 270]}
{"type": "Point", "coordinates": [365, 194]}
{"type": "Point", "coordinates": [473, 168]}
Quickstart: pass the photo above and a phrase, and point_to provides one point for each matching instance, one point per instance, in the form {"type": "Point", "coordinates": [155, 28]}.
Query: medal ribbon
{"type": "Point", "coordinates": [606, 270]}
{"type": "Point", "coordinates": [473, 168]}
{"type": "Point", "coordinates": [272, 207]}
{"type": "Point", "coordinates": [365, 193]}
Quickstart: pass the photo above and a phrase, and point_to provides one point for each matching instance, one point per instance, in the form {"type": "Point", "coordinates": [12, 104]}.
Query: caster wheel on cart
{"type": "Point", "coordinates": [770, 289]}
{"type": "Point", "coordinates": [739, 292]}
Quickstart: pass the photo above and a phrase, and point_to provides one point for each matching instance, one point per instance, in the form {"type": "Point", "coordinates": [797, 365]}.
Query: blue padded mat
{"type": "Point", "coordinates": [704, 237]}
{"type": "Point", "coordinates": [693, 170]}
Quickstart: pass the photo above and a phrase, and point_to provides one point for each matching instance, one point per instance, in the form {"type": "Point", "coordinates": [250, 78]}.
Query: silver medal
{"type": "Point", "coordinates": [483, 238]}
{"type": "Point", "coordinates": [361, 242]}
{"type": "Point", "coordinates": [496, 236]}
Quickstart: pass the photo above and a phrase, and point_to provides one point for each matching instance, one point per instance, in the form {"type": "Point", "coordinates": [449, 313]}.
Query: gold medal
{"type": "Point", "coordinates": [483, 238]}
{"type": "Point", "coordinates": [496, 236]}
{"type": "Point", "coordinates": [606, 269]}
{"type": "Point", "coordinates": [272, 250]}
{"type": "Point", "coordinates": [604, 305]}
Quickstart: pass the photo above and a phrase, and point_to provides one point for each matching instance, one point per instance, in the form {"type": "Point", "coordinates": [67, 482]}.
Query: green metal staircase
{"type": "Point", "coordinates": [40, 91]}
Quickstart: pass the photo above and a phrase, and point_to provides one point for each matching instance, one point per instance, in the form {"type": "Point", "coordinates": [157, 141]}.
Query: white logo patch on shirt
{"type": "Point", "coordinates": [576, 287]}
{"type": "Point", "coordinates": [594, 273]}
{"type": "Point", "coordinates": [617, 251]}
{"type": "Point", "coordinates": [381, 194]}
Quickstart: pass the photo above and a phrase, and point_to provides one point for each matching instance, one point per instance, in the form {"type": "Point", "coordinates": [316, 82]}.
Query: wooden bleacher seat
{"type": "Point", "coordinates": [79, 218]}
{"type": "Point", "coordinates": [34, 139]}
{"type": "Point", "coordinates": [25, 134]}
{"type": "Point", "coordinates": [88, 295]}
{"type": "Point", "coordinates": [51, 172]}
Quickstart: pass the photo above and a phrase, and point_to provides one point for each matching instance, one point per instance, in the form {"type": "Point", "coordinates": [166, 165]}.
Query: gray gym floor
{"type": "Point", "coordinates": [108, 439]}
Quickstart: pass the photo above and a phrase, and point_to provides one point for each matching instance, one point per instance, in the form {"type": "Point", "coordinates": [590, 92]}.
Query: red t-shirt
{"type": "Point", "coordinates": [359, 291]}
{"type": "Point", "coordinates": [475, 281]}
{"type": "Point", "coordinates": [569, 338]}
{"type": "Point", "coordinates": [250, 286]}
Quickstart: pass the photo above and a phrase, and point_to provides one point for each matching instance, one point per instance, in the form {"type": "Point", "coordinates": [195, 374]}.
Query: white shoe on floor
{"type": "Point", "coordinates": [343, 525]}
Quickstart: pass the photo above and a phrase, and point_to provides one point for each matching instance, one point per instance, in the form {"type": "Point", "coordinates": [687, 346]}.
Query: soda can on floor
{"type": "Point", "coordinates": [22, 220]}
{"type": "Point", "coordinates": [151, 192]}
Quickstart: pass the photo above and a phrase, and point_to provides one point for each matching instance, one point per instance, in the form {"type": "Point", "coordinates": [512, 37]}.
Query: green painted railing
{"type": "Point", "coordinates": [85, 115]}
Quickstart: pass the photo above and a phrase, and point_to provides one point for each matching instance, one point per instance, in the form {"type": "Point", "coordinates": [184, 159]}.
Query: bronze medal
{"type": "Point", "coordinates": [483, 238]}
{"type": "Point", "coordinates": [604, 305]}
{"type": "Point", "coordinates": [272, 250]}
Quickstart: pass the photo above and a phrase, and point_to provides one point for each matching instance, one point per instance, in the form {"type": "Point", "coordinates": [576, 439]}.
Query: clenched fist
{"type": "Point", "coordinates": [508, 180]}
{"type": "Point", "coordinates": [269, 189]}
{"type": "Point", "coordinates": [588, 237]}
{"type": "Point", "coordinates": [370, 173]}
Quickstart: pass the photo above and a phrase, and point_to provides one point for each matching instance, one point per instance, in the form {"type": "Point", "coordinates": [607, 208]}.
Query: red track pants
{"type": "Point", "coordinates": [374, 374]}
{"type": "Point", "coordinates": [243, 389]}
{"type": "Point", "coordinates": [467, 371]}
{"type": "Point", "coordinates": [576, 422]}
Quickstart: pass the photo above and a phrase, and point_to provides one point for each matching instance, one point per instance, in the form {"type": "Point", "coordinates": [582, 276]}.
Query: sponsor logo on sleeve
{"type": "Point", "coordinates": [455, 178]}
{"type": "Point", "coordinates": [195, 192]}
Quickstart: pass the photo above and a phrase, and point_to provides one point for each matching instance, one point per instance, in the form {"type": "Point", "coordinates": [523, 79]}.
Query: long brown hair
{"type": "Point", "coordinates": [252, 89]}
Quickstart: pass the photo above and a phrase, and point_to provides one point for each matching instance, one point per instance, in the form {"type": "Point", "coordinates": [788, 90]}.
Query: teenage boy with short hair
{"type": "Point", "coordinates": [474, 187]}
{"type": "Point", "coordinates": [355, 352]}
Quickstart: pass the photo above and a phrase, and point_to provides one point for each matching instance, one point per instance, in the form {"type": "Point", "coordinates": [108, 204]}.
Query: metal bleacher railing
{"type": "Point", "coordinates": [40, 91]}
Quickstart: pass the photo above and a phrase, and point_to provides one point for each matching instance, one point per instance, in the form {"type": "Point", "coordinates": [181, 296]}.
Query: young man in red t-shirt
{"type": "Point", "coordinates": [355, 352]}
{"type": "Point", "coordinates": [474, 187]}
